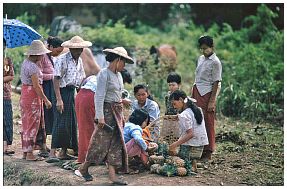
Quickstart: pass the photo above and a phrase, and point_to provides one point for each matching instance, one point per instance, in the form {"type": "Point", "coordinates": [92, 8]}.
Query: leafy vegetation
{"type": "Point", "coordinates": [252, 58]}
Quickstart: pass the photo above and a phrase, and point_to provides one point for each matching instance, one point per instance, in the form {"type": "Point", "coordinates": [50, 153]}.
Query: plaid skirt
{"type": "Point", "coordinates": [109, 146]}
{"type": "Point", "coordinates": [48, 89]}
{"type": "Point", "coordinates": [64, 134]}
{"type": "Point", "coordinates": [190, 152]}
{"type": "Point", "coordinates": [7, 121]}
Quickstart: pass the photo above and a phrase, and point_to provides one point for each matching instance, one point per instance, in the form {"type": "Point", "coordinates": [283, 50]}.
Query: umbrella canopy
{"type": "Point", "coordinates": [18, 34]}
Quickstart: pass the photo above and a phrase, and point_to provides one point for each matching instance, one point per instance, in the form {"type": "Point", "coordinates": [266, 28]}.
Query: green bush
{"type": "Point", "coordinates": [252, 59]}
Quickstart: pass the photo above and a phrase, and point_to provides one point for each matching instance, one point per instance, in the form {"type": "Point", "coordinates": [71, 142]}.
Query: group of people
{"type": "Point", "coordinates": [60, 98]}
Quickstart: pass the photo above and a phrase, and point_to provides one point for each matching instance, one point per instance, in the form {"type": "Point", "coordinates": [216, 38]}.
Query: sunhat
{"type": "Point", "coordinates": [37, 47]}
{"type": "Point", "coordinates": [76, 42]}
{"type": "Point", "coordinates": [121, 51]}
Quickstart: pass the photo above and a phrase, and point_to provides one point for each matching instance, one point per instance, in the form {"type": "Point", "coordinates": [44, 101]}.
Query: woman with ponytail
{"type": "Point", "coordinates": [192, 131]}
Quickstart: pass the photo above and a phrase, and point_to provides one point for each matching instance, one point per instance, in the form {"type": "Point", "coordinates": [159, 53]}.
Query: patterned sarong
{"type": "Point", "coordinates": [209, 118]}
{"type": "Point", "coordinates": [85, 111]}
{"type": "Point", "coordinates": [64, 134]}
{"type": "Point", "coordinates": [109, 146]}
{"type": "Point", "coordinates": [190, 152]}
{"type": "Point", "coordinates": [33, 134]}
{"type": "Point", "coordinates": [7, 121]}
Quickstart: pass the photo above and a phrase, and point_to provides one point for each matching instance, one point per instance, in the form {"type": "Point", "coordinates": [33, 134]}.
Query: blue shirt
{"type": "Point", "coordinates": [131, 131]}
{"type": "Point", "coordinates": [90, 83]}
{"type": "Point", "coordinates": [150, 106]}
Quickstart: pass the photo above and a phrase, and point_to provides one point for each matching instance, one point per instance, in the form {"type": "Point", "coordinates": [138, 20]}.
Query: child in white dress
{"type": "Point", "coordinates": [192, 131]}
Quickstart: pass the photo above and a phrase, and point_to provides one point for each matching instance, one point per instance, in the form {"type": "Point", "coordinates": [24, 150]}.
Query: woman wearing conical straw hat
{"type": "Point", "coordinates": [33, 134]}
{"type": "Point", "coordinates": [109, 111]}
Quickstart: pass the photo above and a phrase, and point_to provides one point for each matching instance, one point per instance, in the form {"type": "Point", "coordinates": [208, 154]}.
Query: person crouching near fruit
{"type": "Point", "coordinates": [192, 132]}
{"type": "Point", "coordinates": [137, 142]}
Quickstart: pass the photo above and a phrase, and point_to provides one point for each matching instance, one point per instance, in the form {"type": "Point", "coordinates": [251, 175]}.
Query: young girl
{"type": "Point", "coordinates": [136, 144]}
{"type": "Point", "coordinates": [192, 131]}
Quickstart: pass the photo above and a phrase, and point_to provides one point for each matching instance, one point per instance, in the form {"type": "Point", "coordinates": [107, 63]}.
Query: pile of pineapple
{"type": "Point", "coordinates": [164, 164]}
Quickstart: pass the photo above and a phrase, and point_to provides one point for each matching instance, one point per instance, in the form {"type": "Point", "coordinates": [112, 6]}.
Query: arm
{"type": "Point", "coordinates": [8, 78]}
{"type": "Point", "coordinates": [88, 59]}
{"type": "Point", "coordinates": [154, 112]}
{"type": "Point", "coordinates": [216, 77]}
{"type": "Point", "coordinates": [100, 97]}
{"type": "Point", "coordinates": [39, 90]}
{"type": "Point", "coordinates": [137, 135]}
{"type": "Point", "coordinates": [60, 104]}
{"type": "Point", "coordinates": [181, 140]}
{"type": "Point", "coordinates": [212, 100]}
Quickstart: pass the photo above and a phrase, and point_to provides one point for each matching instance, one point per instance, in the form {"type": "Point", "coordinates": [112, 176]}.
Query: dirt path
{"type": "Point", "coordinates": [247, 154]}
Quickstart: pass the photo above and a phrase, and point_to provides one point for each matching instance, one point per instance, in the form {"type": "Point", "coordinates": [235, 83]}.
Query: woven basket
{"type": "Point", "coordinates": [165, 129]}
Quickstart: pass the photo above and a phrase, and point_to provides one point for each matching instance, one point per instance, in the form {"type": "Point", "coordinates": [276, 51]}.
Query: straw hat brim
{"type": "Point", "coordinates": [37, 52]}
{"type": "Point", "coordinates": [69, 44]}
{"type": "Point", "coordinates": [129, 59]}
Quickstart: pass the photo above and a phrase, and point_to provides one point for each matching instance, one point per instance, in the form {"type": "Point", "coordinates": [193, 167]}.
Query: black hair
{"type": "Point", "coordinates": [181, 94]}
{"type": "Point", "coordinates": [140, 86]}
{"type": "Point", "coordinates": [139, 116]}
{"type": "Point", "coordinates": [55, 42]}
{"type": "Point", "coordinates": [205, 40]}
{"type": "Point", "coordinates": [173, 77]}
{"type": "Point", "coordinates": [112, 56]}
{"type": "Point", "coordinates": [127, 78]}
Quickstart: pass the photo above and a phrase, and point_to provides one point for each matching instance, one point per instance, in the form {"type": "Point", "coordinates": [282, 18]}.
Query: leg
{"type": "Point", "coordinates": [194, 165]}
{"type": "Point", "coordinates": [112, 176]}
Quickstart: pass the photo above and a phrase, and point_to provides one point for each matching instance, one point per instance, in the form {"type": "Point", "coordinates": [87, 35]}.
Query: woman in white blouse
{"type": "Point", "coordinates": [192, 131]}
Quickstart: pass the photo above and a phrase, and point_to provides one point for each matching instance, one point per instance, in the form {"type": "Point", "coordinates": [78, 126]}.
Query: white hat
{"type": "Point", "coordinates": [121, 51]}
{"type": "Point", "coordinates": [37, 47]}
{"type": "Point", "coordinates": [76, 42]}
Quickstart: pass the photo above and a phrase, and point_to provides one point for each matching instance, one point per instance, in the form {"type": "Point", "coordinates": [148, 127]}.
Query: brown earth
{"type": "Point", "coordinates": [242, 158]}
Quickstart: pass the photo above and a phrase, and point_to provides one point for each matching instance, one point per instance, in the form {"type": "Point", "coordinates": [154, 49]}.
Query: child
{"type": "Point", "coordinates": [143, 102]}
{"type": "Point", "coordinates": [174, 81]}
{"type": "Point", "coordinates": [133, 135]}
{"type": "Point", "coordinates": [192, 131]}
{"type": "Point", "coordinates": [206, 88]}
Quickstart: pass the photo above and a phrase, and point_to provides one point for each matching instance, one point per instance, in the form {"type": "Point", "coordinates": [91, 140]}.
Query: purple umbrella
{"type": "Point", "coordinates": [18, 34]}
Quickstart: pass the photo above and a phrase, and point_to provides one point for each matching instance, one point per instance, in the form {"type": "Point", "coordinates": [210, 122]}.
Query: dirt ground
{"type": "Point", "coordinates": [237, 162]}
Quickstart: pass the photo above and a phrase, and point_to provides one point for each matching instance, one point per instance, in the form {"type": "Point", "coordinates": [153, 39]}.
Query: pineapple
{"type": "Point", "coordinates": [156, 159]}
{"type": "Point", "coordinates": [154, 168]}
{"type": "Point", "coordinates": [159, 160]}
{"type": "Point", "coordinates": [181, 171]}
{"type": "Point", "coordinates": [179, 162]}
{"type": "Point", "coordinates": [152, 159]}
{"type": "Point", "coordinates": [169, 170]}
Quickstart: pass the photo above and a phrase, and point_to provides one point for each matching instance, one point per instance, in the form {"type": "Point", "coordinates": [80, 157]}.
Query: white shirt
{"type": "Point", "coordinates": [70, 72]}
{"type": "Point", "coordinates": [208, 71]}
{"type": "Point", "coordinates": [187, 121]}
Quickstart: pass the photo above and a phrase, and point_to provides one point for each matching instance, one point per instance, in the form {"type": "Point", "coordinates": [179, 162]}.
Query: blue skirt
{"type": "Point", "coordinates": [64, 134]}
{"type": "Point", "coordinates": [8, 121]}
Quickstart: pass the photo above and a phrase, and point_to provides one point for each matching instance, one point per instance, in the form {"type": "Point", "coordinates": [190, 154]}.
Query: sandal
{"type": "Point", "coordinates": [52, 160]}
{"type": "Point", "coordinates": [43, 154]}
{"type": "Point", "coordinates": [9, 152]}
{"type": "Point", "coordinates": [87, 177]}
{"type": "Point", "coordinates": [67, 157]}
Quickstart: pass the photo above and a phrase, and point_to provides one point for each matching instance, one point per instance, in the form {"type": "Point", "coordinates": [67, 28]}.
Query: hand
{"type": "Point", "coordinates": [211, 106]}
{"type": "Point", "coordinates": [152, 147]}
{"type": "Point", "coordinates": [126, 102]}
{"type": "Point", "coordinates": [60, 106]}
{"type": "Point", "coordinates": [101, 122]}
{"type": "Point", "coordinates": [48, 104]}
{"type": "Point", "coordinates": [172, 149]}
